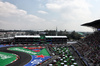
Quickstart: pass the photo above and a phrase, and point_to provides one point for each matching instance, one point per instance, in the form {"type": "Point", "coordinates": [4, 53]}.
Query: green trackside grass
{"type": "Point", "coordinates": [42, 52]}
{"type": "Point", "coordinates": [6, 58]}
{"type": "Point", "coordinates": [21, 49]}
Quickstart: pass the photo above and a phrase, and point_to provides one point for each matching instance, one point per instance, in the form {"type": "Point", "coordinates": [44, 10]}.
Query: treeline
{"type": "Point", "coordinates": [71, 35]}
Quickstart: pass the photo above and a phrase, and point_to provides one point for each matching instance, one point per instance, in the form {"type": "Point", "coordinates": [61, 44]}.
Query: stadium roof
{"type": "Point", "coordinates": [95, 24]}
{"type": "Point", "coordinates": [29, 36]}
{"type": "Point", "coordinates": [32, 36]}
{"type": "Point", "coordinates": [56, 36]}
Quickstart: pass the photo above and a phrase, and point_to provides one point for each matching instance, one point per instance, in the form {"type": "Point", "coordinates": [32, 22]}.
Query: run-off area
{"type": "Point", "coordinates": [7, 58]}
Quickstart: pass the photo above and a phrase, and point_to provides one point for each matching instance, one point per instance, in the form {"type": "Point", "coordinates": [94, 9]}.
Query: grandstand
{"type": "Point", "coordinates": [7, 40]}
{"type": "Point", "coordinates": [40, 39]}
{"type": "Point", "coordinates": [89, 47]}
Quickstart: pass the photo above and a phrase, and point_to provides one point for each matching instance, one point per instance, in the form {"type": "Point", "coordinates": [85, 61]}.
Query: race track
{"type": "Point", "coordinates": [23, 59]}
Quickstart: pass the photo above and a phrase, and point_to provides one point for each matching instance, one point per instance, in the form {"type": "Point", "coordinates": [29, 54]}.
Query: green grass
{"type": "Point", "coordinates": [21, 49]}
{"type": "Point", "coordinates": [6, 58]}
{"type": "Point", "coordinates": [42, 52]}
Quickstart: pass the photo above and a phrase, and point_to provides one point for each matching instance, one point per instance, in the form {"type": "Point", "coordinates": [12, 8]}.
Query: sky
{"type": "Point", "coordinates": [48, 14]}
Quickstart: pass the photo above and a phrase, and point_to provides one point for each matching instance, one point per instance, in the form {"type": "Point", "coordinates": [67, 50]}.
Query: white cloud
{"type": "Point", "coordinates": [53, 6]}
{"type": "Point", "coordinates": [70, 15]}
{"type": "Point", "coordinates": [13, 18]}
{"type": "Point", "coordinates": [70, 8]}
{"type": "Point", "coordinates": [42, 12]}
{"type": "Point", "coordinates": [59, 4]}
{"type": "Point", "coordinates": [74, 12]}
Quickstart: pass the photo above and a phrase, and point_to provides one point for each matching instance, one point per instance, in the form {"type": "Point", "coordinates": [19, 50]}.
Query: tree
{"type": "Point", "coordinates": [74, 35]}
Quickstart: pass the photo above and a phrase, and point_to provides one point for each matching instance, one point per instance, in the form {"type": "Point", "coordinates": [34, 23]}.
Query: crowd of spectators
{"type": "Point", "coordinates": [89, 48]}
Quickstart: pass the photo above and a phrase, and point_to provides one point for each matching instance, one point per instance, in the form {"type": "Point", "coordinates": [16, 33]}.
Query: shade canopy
{"type": "Point", "coordinates": [94, 24]}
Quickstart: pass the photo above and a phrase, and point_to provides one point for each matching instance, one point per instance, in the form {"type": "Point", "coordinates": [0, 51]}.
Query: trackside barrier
{"type": "Point", "coordinates": [84, 61]}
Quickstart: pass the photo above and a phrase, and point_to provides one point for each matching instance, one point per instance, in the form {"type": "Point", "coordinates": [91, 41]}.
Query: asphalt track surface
{"type": "Point", "coordinates": [22, 60]}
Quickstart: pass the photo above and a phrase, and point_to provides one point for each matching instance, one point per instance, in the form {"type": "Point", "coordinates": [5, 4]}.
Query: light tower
{"type": "Point", "coordinates": [56, 31]}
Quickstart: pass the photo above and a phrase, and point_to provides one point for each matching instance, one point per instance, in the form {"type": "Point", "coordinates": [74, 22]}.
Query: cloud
{"type": "Point", "coordinates": [60, 4]}
{"type": "Point", "coordinates": [65, 14]}
{"type": "Point", "coordinates": [42, 12]}
{"type": "Point", "coordinates": [13, 18]}
{"type": "Point", "coordinates": [71, 9]}
{"type": "Point", "coordinates": [73, 12]}
{"type": "Point", "coordinates": [53, 6]}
